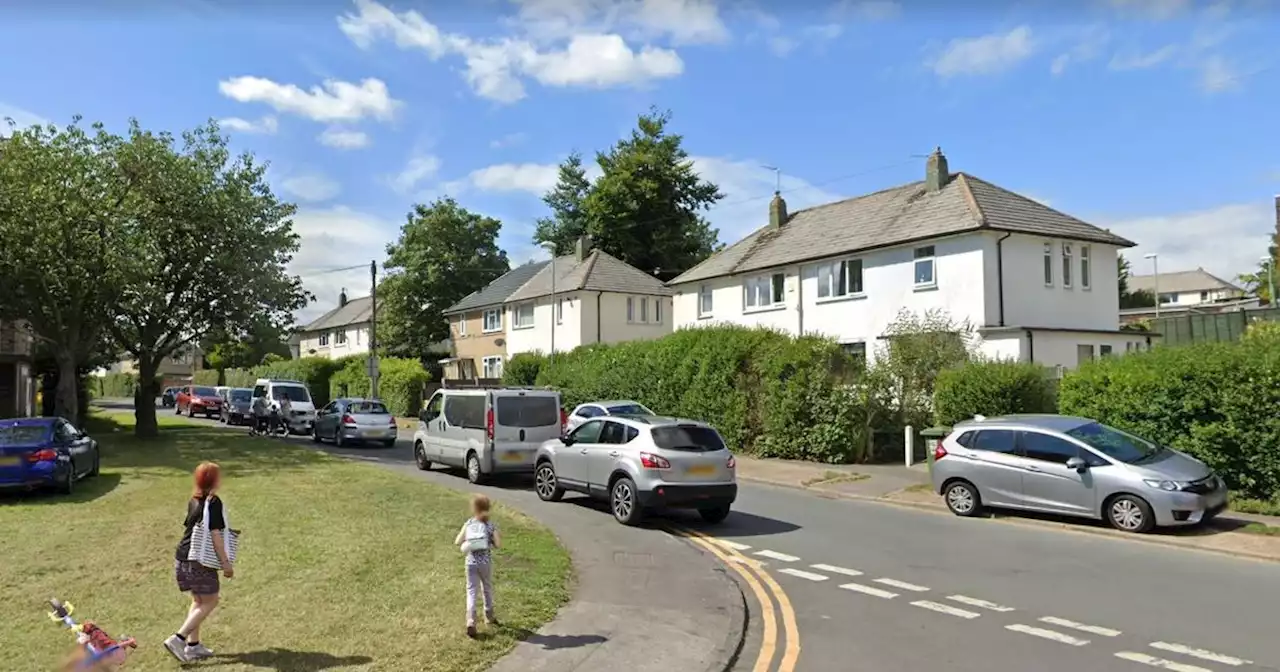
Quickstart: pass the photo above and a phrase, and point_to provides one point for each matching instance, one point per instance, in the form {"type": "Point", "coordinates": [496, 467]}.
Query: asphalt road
{"type": "Point", "coordinates": [880, 588]}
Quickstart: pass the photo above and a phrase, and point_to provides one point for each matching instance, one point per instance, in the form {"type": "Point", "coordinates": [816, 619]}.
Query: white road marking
{"type": "Point", "coordinates": [733, 545]}
{"type": "Point", "coordinates": [901, 584]}
{"type": "Point", "coordinates": [975, 602]}
{"type": "Point", "coordinates": [869, 590]}
{"type": "Point", "coordinates": [1159, 662]}
{"type": "Point", "coordinates": [777, 556]}
{"type": "Point", "coordinates": [837, 570]}
{"type": "Point", "coordinates": [945, 609]}
{"type": "Point", "coordinates": [1200, 653]}
{"type": "Point", "coordinates": [1046, 634]}
{"type": "Point", "coordinates": [803, 574]}
{"type": "Point", "coordinates": [1093, 629]}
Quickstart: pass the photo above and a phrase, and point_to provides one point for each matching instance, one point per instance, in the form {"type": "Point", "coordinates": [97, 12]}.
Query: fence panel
{"type": "Point", "coordinates": [1210, 327]}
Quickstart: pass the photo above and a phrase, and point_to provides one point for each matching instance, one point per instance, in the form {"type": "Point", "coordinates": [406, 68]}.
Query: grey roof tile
{"type": "Point", "coordinates": [496, 292]}
{"type": "Point", "coordinates": [356, 311]}
{"type": "Point", "coordinates": [1181, 281]}
{"type": "Point", "coordinates": [600, 272]}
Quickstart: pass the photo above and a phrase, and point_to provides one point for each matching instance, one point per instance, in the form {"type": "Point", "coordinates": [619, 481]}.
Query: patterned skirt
{"type": "Point", "coordinates": [195, 578]}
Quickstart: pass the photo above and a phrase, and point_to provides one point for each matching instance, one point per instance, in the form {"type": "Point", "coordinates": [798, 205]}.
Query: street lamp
{"type": "Point", "coordinates": [551, 247]}
{"type": "Point", "coordinates": [1155, 278]}
{"type": "Point", "coordinates": [1271, 280]}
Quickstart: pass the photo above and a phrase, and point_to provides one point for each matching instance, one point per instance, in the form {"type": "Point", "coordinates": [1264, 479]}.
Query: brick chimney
{"type": "Point", "coordinates": [777, 211]}
{"type": "Point", "coordinates": [582, 248]}
{"type": "Point", "coordinates": [342, 297]}
{"type": "Point", "coordinates": [936, 174]}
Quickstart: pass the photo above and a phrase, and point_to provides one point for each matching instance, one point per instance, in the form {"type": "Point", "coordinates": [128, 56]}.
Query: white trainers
{"type": "Point", "coordinates": [197, 651]}
{"type": "Point", "coordinates": [176, 646]}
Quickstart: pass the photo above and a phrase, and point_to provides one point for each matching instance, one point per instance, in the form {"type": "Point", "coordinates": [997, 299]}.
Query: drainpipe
{"type": "Point", "coordinates": [1000, 276]}
{"type": "Point", "coordinates": [1031, 347]}
{"type": "Point", "coordinates": [800, 300]}
{"type": "Point", "coordinates": [598, 295]}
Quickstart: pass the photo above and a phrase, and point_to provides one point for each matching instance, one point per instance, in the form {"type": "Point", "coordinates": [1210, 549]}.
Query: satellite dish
{"type": "Point", "coordinates": [500, 342]}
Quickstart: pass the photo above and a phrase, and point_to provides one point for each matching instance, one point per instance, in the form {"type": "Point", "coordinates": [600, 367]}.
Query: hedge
{"type": "Point", "coordinates": [522, 369]}
{"type": "Point", "coordinates": [400, 383]}
{"type": "Point", "coordinates": [207, 377]}
{"type": "Point", "coordinates": [991, 388]}
{"type": "Point", "coordinates": [112, 386]}
{"type": "Point", "coordinates": [768, 393]}
{"type": "Point", "coordinates": [1216, 401]}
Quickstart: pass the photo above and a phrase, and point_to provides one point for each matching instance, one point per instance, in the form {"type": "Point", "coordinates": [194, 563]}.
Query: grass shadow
{"type": "Point", "coordinates": [286, 660]}
{"type": "Point", "coordinates": [86, 490]}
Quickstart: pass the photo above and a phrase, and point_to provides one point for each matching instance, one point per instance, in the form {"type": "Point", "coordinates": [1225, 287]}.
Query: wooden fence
{"type": "Point", "coordinates": [1209, 327]}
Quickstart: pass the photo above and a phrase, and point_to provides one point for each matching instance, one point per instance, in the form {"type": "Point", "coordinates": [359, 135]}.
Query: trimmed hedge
{"type": "Point", "coordinates": [522, 369]}
{"type": "Point", "coordinates": [1216, 401]}
{"type": "Point", "coordinates": [991, 388]}
{"type": "Point", "coordinates": [207, 377]}
{"type": "Point", "coordinates": [400, 384]}
{"type": "Point", "coordinates": [768, 393]}
{"type": "Point", "coordinates": [112, 386]}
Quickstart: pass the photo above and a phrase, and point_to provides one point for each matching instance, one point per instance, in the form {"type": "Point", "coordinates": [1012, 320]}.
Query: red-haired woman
{"type": "Point", "coordinates": [193, 577]}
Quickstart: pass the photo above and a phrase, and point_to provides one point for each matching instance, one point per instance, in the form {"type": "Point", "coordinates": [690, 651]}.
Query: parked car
{"type": "Point", "coordinates": [355, 420]}
{"type": "Point", "coordinates": [45, 452]}
{"type": "Point", "coordinates": [198, 400]}
{"type": "Point", "coordinates": [237, 405]}
{"type": "Point", "coordinates": [598, 409]}
{"type": "Point", "coordinates": [487, 431]}
{"type": "Point", "coordinates": [1076, 467]}
{"type": "Point", "coordinates": [641, 462]}
{"type": "Point", "coordinates": [303, 416]}
{"type": "Point", "coordinates": [169, 398]}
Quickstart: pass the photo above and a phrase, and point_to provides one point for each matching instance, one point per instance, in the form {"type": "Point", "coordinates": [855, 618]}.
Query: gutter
{"type": "Point", "coordinates": [1000, 275]}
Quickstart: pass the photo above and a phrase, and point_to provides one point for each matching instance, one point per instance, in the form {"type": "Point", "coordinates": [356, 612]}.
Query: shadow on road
{"type": "Point", "coordinates": [285, 660]}
{"type": "Point", "coordinates": [556, 642]}
{"type": "Point", "coordinates": [1219, 525]}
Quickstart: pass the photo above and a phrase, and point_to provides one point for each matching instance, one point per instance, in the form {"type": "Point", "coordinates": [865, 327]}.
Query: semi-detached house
{"type": "Point", "coordinates": [1036, 284]}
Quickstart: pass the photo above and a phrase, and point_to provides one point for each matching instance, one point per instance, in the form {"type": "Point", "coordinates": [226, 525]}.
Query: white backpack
{"type": "Point", "coordinates": [475, 536]}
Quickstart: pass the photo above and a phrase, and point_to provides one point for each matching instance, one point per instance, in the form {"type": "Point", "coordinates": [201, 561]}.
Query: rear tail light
{"type": "Point", "coordinates": [43, 455]}
{"type": "Point", "coordinates": [564, 421]}
{"type": "Point", "coordinates": [731, 464]}
{"type": "Point", "coordinates": [488, 424]}
{"type": "Point", "coordinates": [348, 420]}
{"type": "Point", "coordinates": [651, 461]}
{"type": "Point", "coordinates": [939, 452]}
{"type": "Point", "coordinates": [393, 421]}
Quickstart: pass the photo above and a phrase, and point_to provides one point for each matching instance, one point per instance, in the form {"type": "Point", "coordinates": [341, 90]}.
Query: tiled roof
{"type": "Point", "coordinates": [891, 217]}
{"type": "Point", "coordinates": [356, 311]}
{"type": "Point", "coordinates": [1198, 280]}
{"type": "Point", "coordinates": [599, 271]}
{"type": "Point", "coordinates": [496, 292]}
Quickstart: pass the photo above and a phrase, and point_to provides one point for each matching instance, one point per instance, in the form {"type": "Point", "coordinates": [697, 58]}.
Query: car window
{"type": "Point", "coordinates": [587, 412]}
{"type": "Point", "coordinates": [259, 391]}
{"type": "Point", "coordinates": [241, 395]}
{"type": "Point", "coordinates": [368, 408]}
{"type": "Point", "coordinates": [64, 432]}
{"type": "Point", "coordinates": [632, 433]}
{"type": "Point", "coordinates": [1114, 443]}
{"type": "Point", "coordinates": [588, 432]}
{"type": "Point", "coordinates": [206, 392]}
{"type": "Point", "coordinates": [332, 407]}
{"type": "Point", "coordinates": [966, 439]}
{"type": "Point", "coordinates": [527, 411]}
{"type": "Point", "coordinates": [995, 441]}
{"type": "Point", "coordinates": [1048, 448]}
{"type": "Point", "coordinates": [23, 435]}
{"type": "Point", "coordinates": [432, 411]}
{"type": "Point", "coordinates": [614, 433]}
{"type": "Point", "coordinates": [466, 411]}
{"type": "Point", "coordinates": [693, 438]}
{"type": "Point", "coordinates": [295, 392]}
{"type": "Point", "coordinates": [629, 409]}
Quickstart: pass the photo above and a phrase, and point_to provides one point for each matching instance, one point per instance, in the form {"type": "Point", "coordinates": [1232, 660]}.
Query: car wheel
{"type": "Point", "coordinates": [545, 483]}
{"type": "Point", "coordinates": [68, 484]}
{"type": "Point", "coordinates": [624, 503]}
{"type": "Point", "coordinates": [1128, 513]}
{"type": "Point", "coordinates": [714, 514]}
{"type": "Point", "coordinates": [338, 440]}
{"type": "Point", "coordinates": [97, 463]}
{"type": "Point", "coordinates": [389, 443]}
{"type": "Point", "coordinates": [315, 436]}
{"type": "Point", "coordinates": [473, 469]}
{"type": "Point", "coordinates": [963, 499]}
{"type": "Point", "coordinates": [420, 456]}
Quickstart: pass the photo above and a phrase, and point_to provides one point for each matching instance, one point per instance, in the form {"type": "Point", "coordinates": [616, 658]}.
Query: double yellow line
{"type": "Point", "coordinates": [767, 593]}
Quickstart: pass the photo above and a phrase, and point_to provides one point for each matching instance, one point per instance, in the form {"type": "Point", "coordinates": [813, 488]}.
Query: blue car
{"type": "Point", "coordinates": [45, 452]}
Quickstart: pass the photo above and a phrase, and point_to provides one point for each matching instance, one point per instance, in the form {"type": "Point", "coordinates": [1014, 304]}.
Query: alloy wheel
{"type": "Point", "coordinates": [623, 501]}
{"type": "Point", "coordinates": [1127, 514]}
{"type": "Point", "coordinates": [960, 499]}
{"type": "Point", "coordinates": [545, 483]}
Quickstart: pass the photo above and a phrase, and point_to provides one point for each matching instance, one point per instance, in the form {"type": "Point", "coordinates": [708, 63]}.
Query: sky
{"type": "Point", "coordinates": [1154, 118]}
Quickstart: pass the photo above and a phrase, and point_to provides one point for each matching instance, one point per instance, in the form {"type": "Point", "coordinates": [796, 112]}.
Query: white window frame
{"type": "Point", "coordinates": [1086, 267]}
{"type": "Point", "coordinates": [1048, 265]}
{"type": "Point", "coordinates": [560, 310]}
{"type": "Point", "coordinates": [496, 314]}
{"type": "Point", "coordinates": [1066, 265]}
{"type": "Point", "coordinates": [849, 290]}
{"type": "Point", "coordinates": [772, 283]}
{"type": "Point", "coordinates": [340, 337]}
{"type": "Point", "coordinates": [925, 254]}
{"type": "Point", "coordinates": [323, 339]}
{"type": "Point", "coordinates": [631, 310]}
{"type": "Point", "coordinates": [644, 310]}
{"type": "Point", "coordinates": [657, 310]}
{"type": "Point", "coordinates": [491, 367]}
{"type": "Point", "coordinates": [706, 301]}
{"type": "Point", "coordinates": [517, 322]}
{"type": "Point", "coordinates": [462, 328]}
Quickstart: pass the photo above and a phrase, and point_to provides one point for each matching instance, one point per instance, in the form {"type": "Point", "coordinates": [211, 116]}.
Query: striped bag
{"type": "Point", "coordinates": [202, 550]}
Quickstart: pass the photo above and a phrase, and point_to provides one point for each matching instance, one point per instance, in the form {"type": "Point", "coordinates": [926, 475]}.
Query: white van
{"type": "Point", "coordinates": [303, 418]}
{"type": "Point", "coordinates": [487, 430]}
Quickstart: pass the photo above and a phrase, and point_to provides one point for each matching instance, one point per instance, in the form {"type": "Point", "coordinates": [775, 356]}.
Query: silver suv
{"type": "Point", "coordinates": [641, 462]}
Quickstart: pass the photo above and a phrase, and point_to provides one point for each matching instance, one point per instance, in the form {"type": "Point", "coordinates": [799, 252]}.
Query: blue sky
{"type": "Point", "coordinates": [1156, 118]}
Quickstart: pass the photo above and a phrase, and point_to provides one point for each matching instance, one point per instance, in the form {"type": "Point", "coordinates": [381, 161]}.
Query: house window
{"type": "Point", "coordinates": [360, 332]}
{"type": "Point", "coordinates": [1048, 264]}
{"type": "Point", "coordinates": [1204, 297]}
{"type": "Point", "coordinates": [324, 339]}
{"type": "Point", "coordinates": [765, 291]}
{"type": "Point", "coordinates": [1084, 353]}
{"type": "Point", "coordinates": [631, 309]}
{"type": "Point", "coordinates": [840, 278]}
{"type": "Point", "coordinates": [1104, 350]}
{"type": "Point", "coordinates": [657, 311]}
{"type": "Point", "coordinates": [644, 309]}
{"type": "Point", "coordinates": [1084, 267]}
{"type": "Point", "coordinates": [560, 311]}
{"type": "Point", "coordinates": [1168, 297]}
{"type": "Point", "coordinates": [704, 301]}
{"type": "Point", "coordinates": [1128, 346]}
{"type": "Point", "coordinates": [462, 327]}
{"type": "Point", "coordinates": [924, 270]}
{"type": "Point", "coordinates": [492, 320]}
{"type": "Point", "coordinates": [492, 367]}
{"type": "Point", "coordinates": [341, 337]}
{"type": "Point", "coordinates": [858, 352]}
{"type": "Point", "coordinates": [524, 316]}
{"type": "Point", "coordinates": [1066, 264]}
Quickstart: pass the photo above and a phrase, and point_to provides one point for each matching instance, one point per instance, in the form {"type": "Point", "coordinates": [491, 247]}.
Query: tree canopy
{"type": "Point", "coordinates": [1141, 298]}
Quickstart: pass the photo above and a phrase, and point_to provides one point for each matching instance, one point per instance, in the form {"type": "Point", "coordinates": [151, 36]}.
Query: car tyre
{"type": "Point", "coordinates": [420, 456]}
{"type": "Point", "coordinates": [1129, 513]}
{"type": "Point", "coordinates": [474, 474]}
{"type": "Point", "coordinates": [624, 502]}
{"type": "Point", "coordinates": [97, 463]}
{"type": "Point", "coordinates": [68, 484]}
{"type": "Point", "coordinates": [546, 484]}
{"type": "Point", "coordinates": [338, 441]}
{"type": "Point", "coordinates": [714, 514]}
{"type": "Point", "coordinates": [962, 499]}
{"type": "Point", "coordinates": [315, 436]}
{"type": "Point", "coordinates": [389, 443]}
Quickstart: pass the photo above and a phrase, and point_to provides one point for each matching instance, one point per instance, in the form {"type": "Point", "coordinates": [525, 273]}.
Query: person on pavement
{"type": "Point", "coordinates": [477, 538]}
{"type": "Point", "coordinates": [261, 415]}
{"type": "Point", "coordinates": [194, 578]}
{"type": "Point", "coordinates": [286, 410]}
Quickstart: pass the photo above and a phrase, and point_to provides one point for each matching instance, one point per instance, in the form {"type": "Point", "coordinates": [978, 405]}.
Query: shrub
{"type": "Point", "coordinates": [207, 377]}
{"type": "Point", "coordinates": [522, 369]}
{"type": "Point", "coordinates": [991, 388]}
{"type": "Point", "coordinates": [112, 386]}
{"type": "Point", "coordinates": [400, 383]}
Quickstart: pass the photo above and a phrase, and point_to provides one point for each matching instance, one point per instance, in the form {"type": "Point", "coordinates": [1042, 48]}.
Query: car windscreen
{"type": "Point", "coordinates": [295, 392]}
{"type": "Point", "coordinates": [1114, 443]}
{"type": "Point", "coordinates": [23, 435]}
{"type": "Point", "coordinates": [204, 392]}
{"type": "Point", "coordinates": [241, 395]}
{"type": "Point", "coordinates": [367, 408]}
{"type": "Point", "coordinates": [629, 409]}
{"type": "Point", "coordinates": [691, 438]}
{"type": "Point", "coordinates": [537, 411]}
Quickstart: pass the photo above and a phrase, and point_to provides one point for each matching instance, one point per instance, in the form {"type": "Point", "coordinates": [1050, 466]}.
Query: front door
{"type": "Point", "coordinates": [1047, 483]}
{"type": "Point", "coordinates": [572, 462]}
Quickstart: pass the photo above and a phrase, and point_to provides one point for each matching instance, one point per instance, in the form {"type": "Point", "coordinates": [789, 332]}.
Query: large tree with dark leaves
{"type": "Point", "coordinates": [568, 220]}
{"type": "Point", "coordinates": [208, 248]}
{"type": "Point", "coordinates": [444, 253]}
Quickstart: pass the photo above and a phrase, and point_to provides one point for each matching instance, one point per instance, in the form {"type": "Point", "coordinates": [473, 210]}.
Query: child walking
{"type": "Point", "coordinates": [477, 539]}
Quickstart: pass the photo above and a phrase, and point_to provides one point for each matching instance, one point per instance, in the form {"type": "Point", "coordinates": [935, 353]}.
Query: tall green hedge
{"type": "Point", "coordinates": [768, 393]}
{"type": "Point", "coordinates": [991, 388]}
{"type": "Point", "coordinates": [400, 383]}
{"type": "Point", "coordinates": [1216, 401]}
{"type": "Point", "coordinates": [112, 386]}
{"type": "Point", "coordinates": [207, 377]}
{"type": "Point", "coordinates": [522, 369]}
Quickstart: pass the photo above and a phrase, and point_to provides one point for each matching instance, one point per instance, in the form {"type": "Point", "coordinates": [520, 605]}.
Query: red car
{"type": "Point", "coordinates": [196, 400]}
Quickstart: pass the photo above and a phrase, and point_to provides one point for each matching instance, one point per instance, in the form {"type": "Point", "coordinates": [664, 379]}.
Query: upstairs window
{"type": "Point", "coordinates": [1066, 265]}
{"type": "Point", "coordinates": [765, 291]}
{"type": "Point", "coordinates": [924, 267]}
{"type": "Point", "coordinates": [341, 336]}
{"type": "Point", "coordinates": [1048, 264]}
{"type": "Point", "coordinates": [839, 279]}
{"type": "Point", "coordinates": [1084, 267]}
{"type": "Point", "coordinates": [705, 301]}
{"type": "Point", "coordinates": [493, 319]}
{"type": "Point", "coordinates": [324, 339]}
{"type": "Point", "coordinates": [524, 316]}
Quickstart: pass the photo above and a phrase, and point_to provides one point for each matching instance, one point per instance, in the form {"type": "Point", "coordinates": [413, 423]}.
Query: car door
{"type": "Point", "coordinates": [329, 419]}
{"type": "Point", "coordinates": [994, 465]}
{"type": "Point", "coordinates": [453, 427]}
{"type": "Point", "coordinates": [1047, 483]}
{"type": "Point", "coordinates": [76, 445]}
{"type": "Point", "coordinates": [602, 456]}
{"type": "Point", "coordinates": [430, 423]}
{"type": "Point", "coordinates": [573, 461]}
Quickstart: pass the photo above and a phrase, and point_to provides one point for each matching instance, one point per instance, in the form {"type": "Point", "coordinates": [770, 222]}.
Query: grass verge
{"type": "Point", "coordinates": [343, 566]}
{"type": "Point", "coordinates": [831, 477]}
{"type": "Point", "coordinates": [1259, 506]}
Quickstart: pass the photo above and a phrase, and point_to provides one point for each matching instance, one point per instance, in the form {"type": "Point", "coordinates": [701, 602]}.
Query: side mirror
{"type": "Point", "coordinates": [567, 440]}
{"type": "Point", "coordinates": [1078, 464]}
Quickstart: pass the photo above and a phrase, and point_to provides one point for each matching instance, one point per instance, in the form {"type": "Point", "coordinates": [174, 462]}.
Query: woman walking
{"type": "Point", "coordinates": [193, 577]}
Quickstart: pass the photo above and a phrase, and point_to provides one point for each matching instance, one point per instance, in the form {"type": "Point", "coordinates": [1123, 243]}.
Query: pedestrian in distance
{"type": "Point", "coordinates": [286, 411]}
{"type": "Point", "coordinates": [477, 539]}
{"type": "Point", "coordinates": [261, 416]}
{"type": "Point", "coordinates": [204, 511]}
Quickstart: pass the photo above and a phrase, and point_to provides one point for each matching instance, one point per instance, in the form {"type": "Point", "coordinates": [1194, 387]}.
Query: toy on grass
{"type": "Point", "coordinates": [96, 649]}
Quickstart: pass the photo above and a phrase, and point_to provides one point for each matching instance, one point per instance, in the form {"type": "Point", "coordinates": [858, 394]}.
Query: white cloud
{"type": "Point", "coordinates": [1217, 75]}
{"type": "Point", "coordinates": [343, 138]}
{"type": "Point", "coordinates": [535, 178]}
{"type": "Point", "coordinates": [781, 45]}
{"type": "Point", "coordinates": [1088, 45]}
{"type": "Point", "coordinates": [508, 140]}
{"type": "Point", "coordinates": [267, 125]}
{"type": "Point", "coordinates": [869, 10]}
{"type": "Point", "coordinates": [1151, 9]}
{"type": "Point", "coordinates": [1143, 60]}
{"type": "Point", "coordinates": [21, 118]}
{"type": "Point", "coordinates": [336, 237]}
{"type": "Point", "coordinates": [333, 100]}
{"type": "Point", "coordinates": [985, 55]}
{"type": "Point", "coordinates": [1240, 235]}
{"type": "Point", "coordinates": [747, 187]}
{"type": "Point", "coordinates": [313, 187]}
{"type": "Point", "coordinates": [419, 167]}
{"type": "Point", "coordinates": [682, 21]}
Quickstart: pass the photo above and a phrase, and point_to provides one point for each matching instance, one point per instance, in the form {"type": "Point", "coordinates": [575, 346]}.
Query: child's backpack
{"type": "Point", "coordinates": [475, 536]}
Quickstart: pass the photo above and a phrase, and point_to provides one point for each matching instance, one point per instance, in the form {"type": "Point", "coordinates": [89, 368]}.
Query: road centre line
{"type": "Point", "coordinates": [774, 555]}
{"type": "Point", "coordinates": [800, 573]}
{"type": "Point", "coordinates": [869, 590]}
{"type": "Point", "coordinates": [1200, 653]}
{"type": "Point", "coordinates": [945, 609]}
{"type": "Point", "coordinates": [975, 602]}
{"type": "Point", "coordinates": [836, 570]}
{"type": "Point", "coordinates": [1159, 662]}
{"type": "Point", "coordinates": [902, 584]}
{"type": "Point", "coordinates": [1046, 634]}
{"type": "Point", "coordinates": [1093, 629]}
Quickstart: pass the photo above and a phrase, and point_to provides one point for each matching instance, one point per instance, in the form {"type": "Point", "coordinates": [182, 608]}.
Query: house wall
{"type": "Point", "coordinates": [1058, 348]}
{"type": "Point", "coordinates": [537, 338]}
{"type": "Point", "coordinates": [614, 326]}
{"type": "Point", "coordinates": [357, 342]}
{"type": "Point", "coordinates": [1028, 301]}
{"type": "Point", "coordinates": [474, 345]}
{"type": "Point", "coordinates": [1197, 297]}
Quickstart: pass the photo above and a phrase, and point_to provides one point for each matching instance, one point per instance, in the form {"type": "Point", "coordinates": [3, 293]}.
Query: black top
{"type": "Point", "coordinates": [195, 514]}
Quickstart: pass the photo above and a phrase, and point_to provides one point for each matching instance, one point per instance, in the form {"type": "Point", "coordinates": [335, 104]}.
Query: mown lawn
{"type": "Point", "coordinates": [343, 566]}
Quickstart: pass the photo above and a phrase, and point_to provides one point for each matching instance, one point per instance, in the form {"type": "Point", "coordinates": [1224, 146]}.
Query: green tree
{"type": "Point", "coordinates": [444, 253]}
{"type": "Point", "coordinates": [208, 248]}
{"type": "Point", "coordinates": [1142, 298]}
{"type": "Point", "coordinates": [568, 220]}
{"type": "Point", "coordinates": [916, 348]}
{"type": "Point", "coordinates": [225, 350]}
{"type": "Point", "coordinates": [646, 207]}
{"type": "Point", "coordinates": [61, 195]}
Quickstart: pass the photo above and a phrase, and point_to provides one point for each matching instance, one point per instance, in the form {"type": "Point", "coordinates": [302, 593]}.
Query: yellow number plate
{"type": "Point", "coordinates": [702, 470]}
{"type": "Point", "coordinates": [374, 432]}
{"type": "Point", "coordinates": [10, 461]}
{"type": "Point", "coordinates": [512, 457]}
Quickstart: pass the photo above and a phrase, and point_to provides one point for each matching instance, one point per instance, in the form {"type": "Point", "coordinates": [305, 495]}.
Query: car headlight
{"type": "Point", "coordinates": [1168, 486]}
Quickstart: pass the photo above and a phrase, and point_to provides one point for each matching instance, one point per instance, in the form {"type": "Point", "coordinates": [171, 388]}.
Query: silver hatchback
{"type": "Point", "coordinates": [639, 463]}
{"type": "Point", "coordinates": [1073, 466]}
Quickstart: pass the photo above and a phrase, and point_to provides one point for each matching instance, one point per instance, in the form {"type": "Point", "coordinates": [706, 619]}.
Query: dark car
{"type": "Point", "coordinates": [198, 400]}
{"type": "Point", "coordinates": [169, 398]}
{"type": "Point", "coordinates": [237, 406]}
{"type": "Point", "coordinates": [45, 452]}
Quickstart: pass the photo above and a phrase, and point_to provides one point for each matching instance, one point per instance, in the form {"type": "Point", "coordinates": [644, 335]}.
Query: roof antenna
{"type": "Point", "coordinates": [777, 178]}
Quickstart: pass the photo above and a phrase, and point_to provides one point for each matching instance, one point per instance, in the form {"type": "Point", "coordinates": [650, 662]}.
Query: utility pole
{"type": "Point", "coordinates": [373, 329]}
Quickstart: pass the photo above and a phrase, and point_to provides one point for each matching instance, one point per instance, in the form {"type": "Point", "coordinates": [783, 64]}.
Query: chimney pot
{"type": "Point", "coordinates": [777, 211]}
{"type": "Point", "coordinates": [936, 173]}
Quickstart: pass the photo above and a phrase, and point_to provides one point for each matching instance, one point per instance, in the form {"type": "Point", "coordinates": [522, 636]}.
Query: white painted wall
{"type": "Point", "coordinates": [1028, 301]}
{"type": "Point", "coordinates": [614, 327]}
{"type": "Point", "coordinates": [728, 304]}
{"type": "Point", "coordinates": [568, 334]}
{"type": "Point", "coordinates": [357, 342]}
{"type": "Point", "coordinates": [579, 323]}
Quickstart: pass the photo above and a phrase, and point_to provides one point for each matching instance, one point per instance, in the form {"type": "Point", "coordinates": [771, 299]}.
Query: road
{"type": "Point", "coordinates": [881, 588]}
